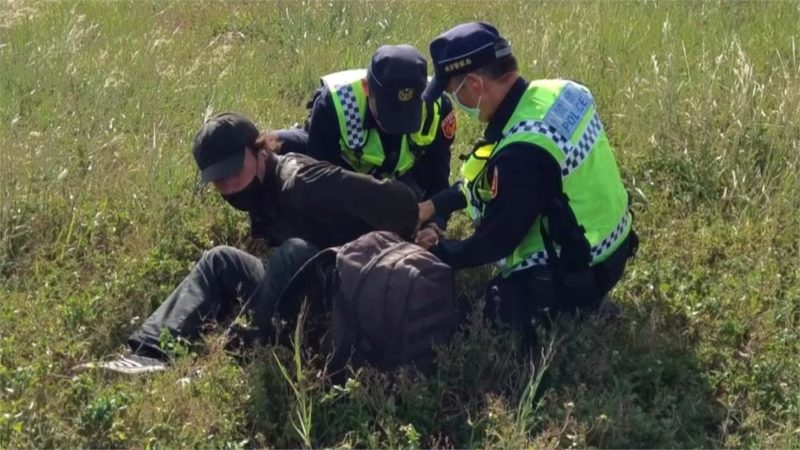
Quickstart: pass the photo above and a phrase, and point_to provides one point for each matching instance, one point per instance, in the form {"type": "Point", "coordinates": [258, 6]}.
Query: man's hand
{"type": "Point", "coordinates": [426, 212]}
{"type": "Point", "coordinates": [429, 236]}
{"type": "Point", "coordinates": [272, 142]}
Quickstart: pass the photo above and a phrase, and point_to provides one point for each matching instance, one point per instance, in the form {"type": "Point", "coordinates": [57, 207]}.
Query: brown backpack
{"type": "Point", "coordinates": [389, 300]}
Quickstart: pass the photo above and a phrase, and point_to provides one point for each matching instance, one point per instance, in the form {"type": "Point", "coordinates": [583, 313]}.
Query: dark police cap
{"type": "Point", "coordinates": [219, 146]}
{"type": "Point", "coordinates": [462, 49]}
{"type": "Point", "coordinates": [397, 75]}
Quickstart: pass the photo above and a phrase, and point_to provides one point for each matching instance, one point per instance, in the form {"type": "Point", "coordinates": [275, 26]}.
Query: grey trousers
{"type": "Point", "coordinates": [210, 291]}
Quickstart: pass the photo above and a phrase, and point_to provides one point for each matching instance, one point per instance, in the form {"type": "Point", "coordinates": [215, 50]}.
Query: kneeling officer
{"type": "Point", "coordinates": [542, 187]}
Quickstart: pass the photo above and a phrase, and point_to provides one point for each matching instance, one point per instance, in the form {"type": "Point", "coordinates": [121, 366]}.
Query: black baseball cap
{"type": "Point", "coordinates": [396, 77]}
{"type": "Point", "coordinates": [462, 49]}
{"type": "Point", "coordinates": [220, 144]}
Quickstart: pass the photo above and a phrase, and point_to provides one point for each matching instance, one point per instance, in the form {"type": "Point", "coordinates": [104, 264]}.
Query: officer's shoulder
{"type": "Point", "coordinates": [323, 107]}
{"type": "Point", "coordinates": [324, 95]}
{"type": "Point", "coordinates": [523, 152]}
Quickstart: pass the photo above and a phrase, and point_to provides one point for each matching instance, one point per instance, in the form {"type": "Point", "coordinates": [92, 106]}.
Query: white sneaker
{"type": "Point", "coordinates": [185, 381]}
{"type": "Point", "coordinates": [128, 364]}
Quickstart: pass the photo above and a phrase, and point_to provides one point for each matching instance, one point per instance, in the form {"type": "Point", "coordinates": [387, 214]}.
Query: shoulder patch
{"type": "Point", "coordinates": [449, 125]}
{"type": "Point", "coordinates": [567, 112]}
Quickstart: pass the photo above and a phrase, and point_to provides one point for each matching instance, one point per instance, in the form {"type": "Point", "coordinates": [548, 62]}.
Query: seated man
{"type": "Point", "coordinates": [296, 203]}
{"type": "Point", "coordinates": [374, 122]}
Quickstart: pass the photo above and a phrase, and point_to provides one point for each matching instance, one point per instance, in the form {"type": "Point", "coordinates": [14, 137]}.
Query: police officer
{"type": "Point", "coordinates": [298, 204]}
{"type": "Point", "coordinates": [542, 186]}
{"type": "Point", "coordinates": [374, 121]}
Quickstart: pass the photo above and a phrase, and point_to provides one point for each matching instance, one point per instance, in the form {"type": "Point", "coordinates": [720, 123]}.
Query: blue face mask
{"type": "Point", "coordinates": [471, 112]}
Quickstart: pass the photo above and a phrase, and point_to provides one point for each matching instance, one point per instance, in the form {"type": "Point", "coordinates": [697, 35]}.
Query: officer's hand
{"type": "Point", "coordinates": [272, 142]}
{"type": "Point", "coordinates": [434, 227]}
{"type": "Point", "coordinates": [426, 212]}
{"type": "Point", "coordinates": [427, 238]}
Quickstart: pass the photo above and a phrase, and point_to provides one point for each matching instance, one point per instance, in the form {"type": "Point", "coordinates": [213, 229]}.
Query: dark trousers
{"type": "Point", "coordinates": [535, 294]}
{"type": "Point", "coordinates": [210, 291]}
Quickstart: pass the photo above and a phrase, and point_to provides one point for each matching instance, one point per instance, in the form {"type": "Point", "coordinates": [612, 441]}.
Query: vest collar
{"type": "Point", "coordinates": [494, 130]}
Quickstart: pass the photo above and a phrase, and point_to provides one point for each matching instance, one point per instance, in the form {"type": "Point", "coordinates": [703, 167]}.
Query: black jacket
{"type": "Point", "coordinates": [328, 206]}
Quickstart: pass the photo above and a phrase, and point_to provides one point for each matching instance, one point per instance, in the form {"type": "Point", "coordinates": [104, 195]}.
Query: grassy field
{"type": "Point", "coordinates": [99, 220]}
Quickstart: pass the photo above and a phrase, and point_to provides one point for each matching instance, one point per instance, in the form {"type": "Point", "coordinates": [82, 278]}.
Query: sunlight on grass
{"type": "Point", "coordinates": [99, 219]}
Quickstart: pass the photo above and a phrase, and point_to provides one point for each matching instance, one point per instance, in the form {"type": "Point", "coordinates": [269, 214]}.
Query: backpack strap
{"type": "Point", "coordinates": [574, 251]}
{"type": "Point", "coordinates": [315, 273]}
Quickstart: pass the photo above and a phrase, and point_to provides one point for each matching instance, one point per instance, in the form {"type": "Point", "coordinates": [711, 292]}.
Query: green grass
{"type": "Point", "coordinates": [99, 102]}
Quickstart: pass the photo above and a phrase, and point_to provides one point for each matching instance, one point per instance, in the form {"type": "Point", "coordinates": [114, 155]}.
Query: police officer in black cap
{"type": "Point", "coordinates": [375, 122]}
{"type": "Point", "coordinates": [298, 204]}
{"type": "Point", "coordinates": [542, 185]}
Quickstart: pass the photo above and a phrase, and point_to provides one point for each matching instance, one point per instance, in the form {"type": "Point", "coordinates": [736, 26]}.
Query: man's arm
{"type": "Point", "coordinates": [290, 140]}
{"type": "Point", "coordinates": [380, 204]}
{"type": "Point", "coordinates": [323, 130]}
{"type": "Point", "coordinates": [525, 180]}
{"type": "Point", "coordinates": [433, 167]}
{"type": "Point", "coordinates": [442, 204]}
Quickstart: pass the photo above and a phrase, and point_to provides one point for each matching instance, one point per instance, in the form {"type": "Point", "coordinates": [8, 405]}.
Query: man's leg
{"type": "Point", "coordinates": [284, 262]}
{"type": "Point", "coordinates": [218, 276]}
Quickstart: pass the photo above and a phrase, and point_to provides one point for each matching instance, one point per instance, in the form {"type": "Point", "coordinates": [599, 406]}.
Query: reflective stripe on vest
{"type": "Point", "coordinates": [559, 117]}
{"type": "Point", "coordinates": [540, 258]}
{"type": "Point", "coordinates": [341, 85]}
{"type": "Point", "coordinates": [356, 137]}
{"type": "Point", "coordinates": [575, 154]}
{"type": "Point", "coordinates": [362, 148]}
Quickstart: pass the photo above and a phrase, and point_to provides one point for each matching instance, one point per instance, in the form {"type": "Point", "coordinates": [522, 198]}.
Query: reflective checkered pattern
{"type": "Point", "coordinates": [609, 240]}
{"type": "Point", "coordinates": [540, 258]}
{"type": "Point", "coordinates": [539, 127]}
{"type": "Point", "coordinates": [579, 152]}
{"type": "Point", "coordinates": [537, 259]}
{"type": "Point", "coordinates": [574, 154]}
{"type": "Point", "coordinates": [356, 137]}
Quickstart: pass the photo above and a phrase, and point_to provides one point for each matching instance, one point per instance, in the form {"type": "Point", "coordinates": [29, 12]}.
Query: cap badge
{"type": "Point", "coordinates": [405, 95]}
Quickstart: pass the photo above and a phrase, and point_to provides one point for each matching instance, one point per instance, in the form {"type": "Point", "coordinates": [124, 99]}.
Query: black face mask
{"type": "Point", "coordinates": [251, 198]}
